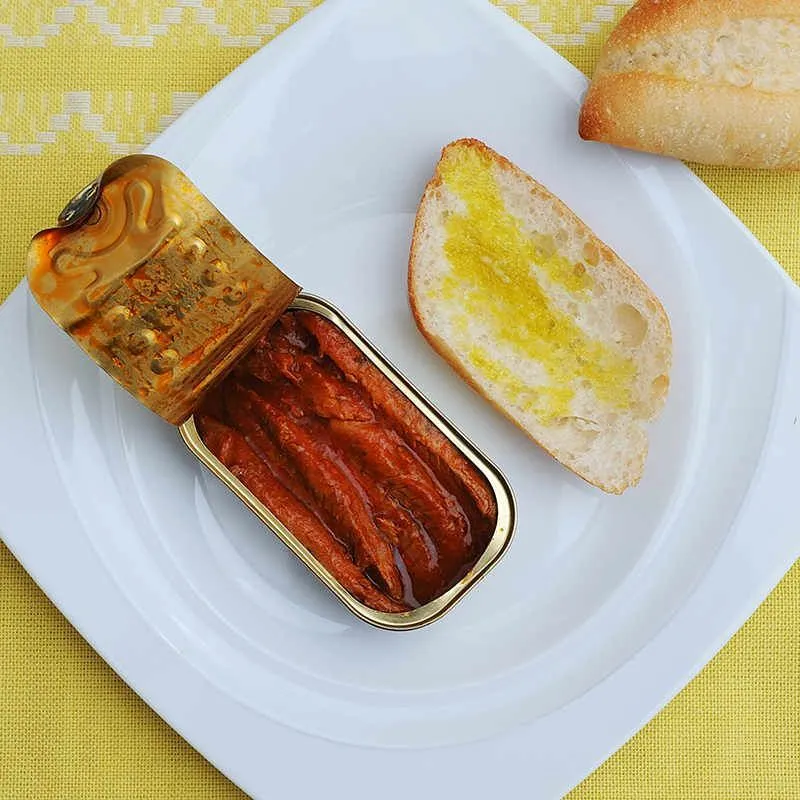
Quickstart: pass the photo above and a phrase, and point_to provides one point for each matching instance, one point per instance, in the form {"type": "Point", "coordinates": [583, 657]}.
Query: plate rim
{"type": "Point", "coordinates": [176, 702]}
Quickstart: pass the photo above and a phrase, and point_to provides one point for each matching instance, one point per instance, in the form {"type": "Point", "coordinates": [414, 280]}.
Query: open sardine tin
{"type": "Point", "coordinates": [164, 294]}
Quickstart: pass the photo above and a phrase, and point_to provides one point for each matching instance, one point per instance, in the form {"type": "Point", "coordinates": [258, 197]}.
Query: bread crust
{"type": "Point", "coordinates": [701, 81]}
{"type": "Point", "coordinates": [650, 18]}
{"type": "Point", "coordinates": [694, 122]}
{"type": "Point", "coordinates": [624, 273]}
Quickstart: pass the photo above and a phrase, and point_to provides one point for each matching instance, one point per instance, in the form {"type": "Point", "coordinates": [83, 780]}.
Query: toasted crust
{"type": "Point", "coordinates": [712, 82]}
{"type": "Point", "coordinates": [651, 18]}
{"type": "Point", "coordinates": [693, 122]}
{"type": "Point", "coordinates": [627, 281]}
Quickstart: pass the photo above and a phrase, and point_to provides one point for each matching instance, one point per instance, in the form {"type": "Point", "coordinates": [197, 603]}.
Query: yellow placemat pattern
{"type": "Point", "coordinates": [82, 81]}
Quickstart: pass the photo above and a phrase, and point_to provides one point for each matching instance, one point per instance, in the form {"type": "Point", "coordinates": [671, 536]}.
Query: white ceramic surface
{"type": "Point", "coordinates": [318, 149]}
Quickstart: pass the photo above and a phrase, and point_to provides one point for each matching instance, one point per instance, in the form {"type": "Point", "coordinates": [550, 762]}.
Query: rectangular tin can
{"type": "Point", "coordinates": [163, 293]}
{"type": "Point", "coordinates": [503, 496]}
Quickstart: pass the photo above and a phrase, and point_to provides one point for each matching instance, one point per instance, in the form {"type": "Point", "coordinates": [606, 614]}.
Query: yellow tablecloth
{"type": "Point", "coordinates": [82, 81]}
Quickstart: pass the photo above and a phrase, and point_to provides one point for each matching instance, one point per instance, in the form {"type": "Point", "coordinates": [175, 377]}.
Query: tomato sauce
{"type": "Point", "coordinates": [375, 492]}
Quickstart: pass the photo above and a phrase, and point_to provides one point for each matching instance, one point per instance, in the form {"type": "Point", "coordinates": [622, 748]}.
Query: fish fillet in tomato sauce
{"type": "Point", "coordinates": [375, 492]}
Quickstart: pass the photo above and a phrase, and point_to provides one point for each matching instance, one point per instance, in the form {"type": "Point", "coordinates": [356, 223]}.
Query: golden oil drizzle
{"type": "Point", "coordinates": [492, 280]}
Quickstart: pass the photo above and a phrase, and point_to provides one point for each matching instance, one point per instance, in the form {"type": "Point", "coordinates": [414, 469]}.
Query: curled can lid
{"type": "Point", "coordinates": [155, 284]}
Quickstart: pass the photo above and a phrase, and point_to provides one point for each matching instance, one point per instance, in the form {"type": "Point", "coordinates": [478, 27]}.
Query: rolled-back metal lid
{"type": "Point", "coordinates": [157, 286]}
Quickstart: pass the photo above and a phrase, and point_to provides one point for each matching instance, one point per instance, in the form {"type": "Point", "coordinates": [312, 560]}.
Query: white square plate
{"type": "Point", "coordinates": [318, 149]}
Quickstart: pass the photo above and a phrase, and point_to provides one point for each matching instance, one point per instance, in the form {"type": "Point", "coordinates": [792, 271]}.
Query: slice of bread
{"type": "Point", "coordinates": [538, 315]}
{"type": "Point", "coordinates": [712, 81]}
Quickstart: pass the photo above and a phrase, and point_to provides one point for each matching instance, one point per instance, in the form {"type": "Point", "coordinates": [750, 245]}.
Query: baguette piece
{"type": "Point", "coordinates": [538, 315]}
{"type": "Point", "coordinates": [711, 81]}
